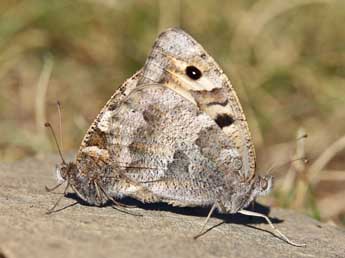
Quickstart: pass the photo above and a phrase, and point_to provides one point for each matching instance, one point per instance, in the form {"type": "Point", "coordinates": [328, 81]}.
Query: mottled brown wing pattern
{"type": "Point", "coordinates": [174, 55]}
{"type": "Point", "coordinates": [173, 51]}
{"type": "Point", "coordinates": [107, 146]}
{"type": "Point", "coordinates": [95, 137]}
{"type": "Point", "coordinates": [171, 148]}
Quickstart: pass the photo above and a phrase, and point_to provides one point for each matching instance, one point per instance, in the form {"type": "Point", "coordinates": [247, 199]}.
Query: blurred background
{"type": "Point", "coordinates": [286, 60]}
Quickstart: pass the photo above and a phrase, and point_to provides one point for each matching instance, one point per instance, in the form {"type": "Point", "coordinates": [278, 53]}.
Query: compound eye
{"type": "Point", "coordinates": [193, 72]}
{"type": "Point", "coordinates": [264, 184]}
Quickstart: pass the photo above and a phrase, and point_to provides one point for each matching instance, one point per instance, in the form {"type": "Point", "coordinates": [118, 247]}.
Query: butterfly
{"type": "Point", "coordinates": [174, 132]}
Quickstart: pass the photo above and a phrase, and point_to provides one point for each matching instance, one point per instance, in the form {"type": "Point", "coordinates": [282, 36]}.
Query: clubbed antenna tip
{"type": "Point", "coordinates": [47, 124]}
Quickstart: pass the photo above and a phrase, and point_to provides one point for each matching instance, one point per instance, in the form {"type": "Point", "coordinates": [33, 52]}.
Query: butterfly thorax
{"type": "Point", "coordinates": [83, 183]}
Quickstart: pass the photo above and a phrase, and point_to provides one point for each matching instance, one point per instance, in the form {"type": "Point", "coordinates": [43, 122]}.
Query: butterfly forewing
{"type": "Point", "coordinates": [180, 63]}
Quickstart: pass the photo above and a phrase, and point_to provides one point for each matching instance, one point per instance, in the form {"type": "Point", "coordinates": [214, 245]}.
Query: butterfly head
{"type": "Point", "coordinates": [64, 171]}
{"type": "Point", "coordinates": [263, 185]}
{"type": "Point", "coordinates": [260, 186]}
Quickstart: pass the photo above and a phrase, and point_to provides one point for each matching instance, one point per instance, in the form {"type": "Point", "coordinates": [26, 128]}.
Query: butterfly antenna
{"type": "Point", "coordinates": [303, 136]}
{"type": "Point", "coordinates": [58, 103]}
{"type": "Point", "coordinates": [273, 167]}
{"type": "Point", "coordinates": [304, 159]}
{"type": "Point", "coordinates": [47, 124]}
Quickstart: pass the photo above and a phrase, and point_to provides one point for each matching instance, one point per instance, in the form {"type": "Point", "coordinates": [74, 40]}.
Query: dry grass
{"type": "Point", "coordinates": [285, 58]}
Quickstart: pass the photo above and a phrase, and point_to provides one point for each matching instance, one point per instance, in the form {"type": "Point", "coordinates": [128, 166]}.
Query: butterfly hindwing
{"type": "Point", "coordinates": [175, 151]}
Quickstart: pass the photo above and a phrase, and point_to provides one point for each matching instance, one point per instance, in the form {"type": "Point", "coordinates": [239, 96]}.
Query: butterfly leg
{"type": "Point", "coordinates": [201, 232]}
{"type": "Point", "coordinates": [115, 202]}
{"type": "Point", "coordinates": [98, 155]}
{"type": "Point", "coordinates": [255, 214]}
{"type": "Point", "coordinates": [50, 189]}
{"type": "Point", "coordinates": [52, 209]}
{"type": "Point", "coordinates": [99, 196]}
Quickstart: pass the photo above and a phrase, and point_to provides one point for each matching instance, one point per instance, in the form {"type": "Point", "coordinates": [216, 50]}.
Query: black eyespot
{"type": "Point", "coordinates": [193, 72]}
{"type": "Point", "coordinates": [223, 120]}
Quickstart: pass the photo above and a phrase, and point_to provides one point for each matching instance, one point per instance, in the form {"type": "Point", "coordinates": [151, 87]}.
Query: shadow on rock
{"type": "Point", "coordinates": [194, 211]}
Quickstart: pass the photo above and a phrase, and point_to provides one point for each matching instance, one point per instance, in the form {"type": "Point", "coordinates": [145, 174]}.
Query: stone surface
{"type": "Point", "coordinates": [163, 231]}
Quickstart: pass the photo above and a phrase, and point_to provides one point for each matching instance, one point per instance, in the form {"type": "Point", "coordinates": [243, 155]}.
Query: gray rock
{"type": "Point", "coordinates": [163, 231]}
